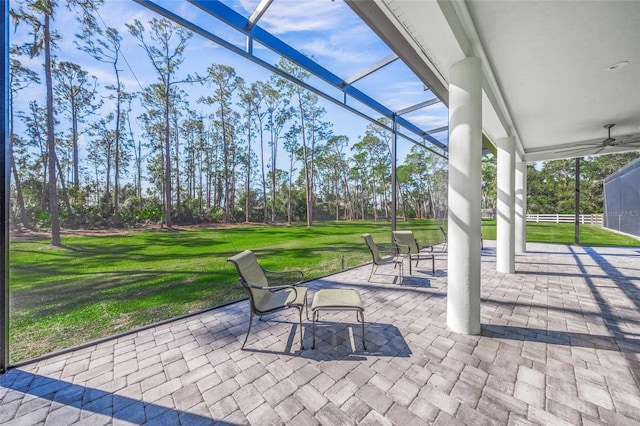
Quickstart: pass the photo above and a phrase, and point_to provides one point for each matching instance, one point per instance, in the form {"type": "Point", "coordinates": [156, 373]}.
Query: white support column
{"type": "Point", "coordinates": [465, 175]}
{"type": "Point", "coordinates": [506, 227]}
{"type": "Point", "coordinates": [521, 206]}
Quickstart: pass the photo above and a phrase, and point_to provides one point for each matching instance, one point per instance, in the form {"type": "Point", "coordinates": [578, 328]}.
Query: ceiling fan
{"type": "Point", "coordinates": [622, 140]}
{"type": "Point", "coordinates": [595, 148]}
{"type": "Point", "coordinates": [609, 141]}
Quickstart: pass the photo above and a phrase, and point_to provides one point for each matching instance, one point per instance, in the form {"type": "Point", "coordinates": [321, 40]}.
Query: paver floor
{"type": "Point", "coordinates": [560, 344]}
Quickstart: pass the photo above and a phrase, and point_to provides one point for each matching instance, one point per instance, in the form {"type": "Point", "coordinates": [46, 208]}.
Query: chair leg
{"type": "Point", "coordinates": [314, 315]}
{"type": "Point", "coordinates": [301, 338]}
{"type": "Point", "coordinates": [364, 345]}
{"type": "Point", "coordinates": [433, 264]}
{"type": "Point", "coordinates": [249, 330]}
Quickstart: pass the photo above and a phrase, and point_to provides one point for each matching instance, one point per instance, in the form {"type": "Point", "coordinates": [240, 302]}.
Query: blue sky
{"type": "Point", "coordinates": [327, 30]}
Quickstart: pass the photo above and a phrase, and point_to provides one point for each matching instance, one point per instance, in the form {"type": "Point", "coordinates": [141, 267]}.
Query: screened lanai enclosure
{"type": "Point", "coordinates": [255, 121]}
{"type": "Point", "coordinates": [135, 157]}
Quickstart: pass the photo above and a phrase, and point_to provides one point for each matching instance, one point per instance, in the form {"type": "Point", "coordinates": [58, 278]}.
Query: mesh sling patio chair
{"type": "Point", "coordinates": [407, 244]}
{"type": "Point", "coordinates": [264, 297]}
{"type": "Point", "coordinates": [380, 257]}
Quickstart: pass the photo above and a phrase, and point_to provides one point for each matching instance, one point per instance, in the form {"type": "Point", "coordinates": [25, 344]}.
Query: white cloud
{"type": "Point", "coordinates": [429, 121]}
{"type": "Point", "coordinates": [302, 16]}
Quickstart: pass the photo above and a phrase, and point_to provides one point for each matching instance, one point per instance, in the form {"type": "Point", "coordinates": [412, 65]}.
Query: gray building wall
{"type": "Point", "coordinates": [622, 200]}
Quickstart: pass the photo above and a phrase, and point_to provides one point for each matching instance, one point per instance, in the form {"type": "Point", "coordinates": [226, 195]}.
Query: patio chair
{"type": "Point", "coordinates": [264, 296]}
{"type": "Point", "coordinates": [381, 257]}
{"type": "Point", "coordinates": [407, 244]}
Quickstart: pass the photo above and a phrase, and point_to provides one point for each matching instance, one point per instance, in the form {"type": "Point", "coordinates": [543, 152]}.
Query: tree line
{"type": "Point", "coordinates": [217, 156]}
{"type": "Point", "coordinates": [238, 151]}
{"type": "Point", "coordinates": [551, 184]}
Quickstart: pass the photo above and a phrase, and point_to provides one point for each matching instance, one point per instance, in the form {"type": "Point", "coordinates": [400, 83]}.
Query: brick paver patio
{"type": "Point", "coordinates": [560, 344]}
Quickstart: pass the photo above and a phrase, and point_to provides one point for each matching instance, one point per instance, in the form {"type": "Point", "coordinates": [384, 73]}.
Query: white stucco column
{"type": "Point", "coordinates": [521, 206]}
{"type": "Point", "coordinates": [506, 226]}
{"type": "Point", "coordinates": [465, 175]}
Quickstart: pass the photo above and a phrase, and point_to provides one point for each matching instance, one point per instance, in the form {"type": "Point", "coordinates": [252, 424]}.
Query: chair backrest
{"type": "Point", "coordinates": [373, 248]}
{"type": "Point", "coordinates": [251, 272]}
{"type": "Point", "coordinates": [405, 239]}
{"type": "Point", "coordinates": [248, 268]}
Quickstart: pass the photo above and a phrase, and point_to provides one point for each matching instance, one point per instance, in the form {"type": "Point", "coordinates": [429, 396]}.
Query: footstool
{"type": "Point", "coordinates": [337, 300]}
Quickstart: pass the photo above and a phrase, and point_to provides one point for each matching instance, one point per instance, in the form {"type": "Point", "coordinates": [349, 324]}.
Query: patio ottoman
{"type": "Point", "coordinates": [337, 300]}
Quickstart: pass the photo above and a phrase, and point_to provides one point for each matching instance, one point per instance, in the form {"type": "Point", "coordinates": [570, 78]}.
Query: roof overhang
{"type": "Point", "coordinates": [547, 78]}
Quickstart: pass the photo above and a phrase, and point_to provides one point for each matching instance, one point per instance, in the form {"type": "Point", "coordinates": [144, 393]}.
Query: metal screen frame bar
{"type": "Point", "coordinates": [254, 32]}
{"type": "Point", "coordinates": [5, 188]}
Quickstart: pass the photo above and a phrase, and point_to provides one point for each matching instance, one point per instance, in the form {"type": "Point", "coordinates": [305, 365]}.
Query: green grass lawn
{"type": "Point", "coordinates": [96, 286]}
{"type": "Point", "coordinates": [564, 233]}
{"type": "Point", "coordinates": [100, 285]}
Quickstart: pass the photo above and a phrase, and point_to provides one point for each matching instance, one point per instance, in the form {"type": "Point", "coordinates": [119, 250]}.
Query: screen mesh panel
{"type": "Point", "coordinates": [622, 200]}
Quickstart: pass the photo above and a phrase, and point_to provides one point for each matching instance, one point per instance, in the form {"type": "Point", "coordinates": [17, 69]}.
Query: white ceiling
{"type": "Point", "coordinates": [546, 78]}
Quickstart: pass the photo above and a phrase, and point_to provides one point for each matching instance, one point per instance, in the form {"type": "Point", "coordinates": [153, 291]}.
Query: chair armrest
{"type": "Point", "coordinates": [289, 277]}
{"type": "Point", "coordinates": [389, 249]}
{"type": "Point", "coordinates": [385, 247]}
{"type": "Point", "coordinates": [404, 246]}
{"type": "Point", "coordinates": [430, 247]}
{"type": "Point", "coordinates": [273, 287]}
{"type": "Point", "coordinates": [288, 271]}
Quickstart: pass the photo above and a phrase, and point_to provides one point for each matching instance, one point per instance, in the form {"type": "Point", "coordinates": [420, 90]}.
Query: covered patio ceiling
{"type": "Point", "coordinates": [555, 73]}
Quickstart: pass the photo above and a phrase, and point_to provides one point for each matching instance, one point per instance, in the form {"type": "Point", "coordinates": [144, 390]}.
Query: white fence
{"type": "Point", "coordinates": [591, 219]}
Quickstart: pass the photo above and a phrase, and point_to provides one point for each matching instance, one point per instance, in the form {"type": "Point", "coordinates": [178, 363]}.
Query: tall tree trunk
{"type": "Point", "coordinates": [138, 183]}
{"type": "Point", "coordinates": [51, 138]}
{"type": "Point", "coordinates": [248, 180]}
{"type": "Point", "coordinates": [306, 162]}
{"type": "Point", "coordinates": [274, 153]}
{"type": "Point", "coordinates": [385, 200]}
{"type": "Point", "coordinates": [225, 155]}
{"type": "Point", "coordinates": [348, 201]}
{"type": "Point", "coordinates": [177, 171]}
{"type": "Point", "coordinates": [116, 183]}
{"type": "Point", "coordinates": [232, 182]}
{"type": "Point", "coordinates": [14, 169]}
{"type": "Point", "coordinates": [65, 194]}
{"type": "Point", "coordinates": [289, 213]}
{"type": "Point", "coordinates": [167, 157]}
{"type": "Point", "coordinates": [374, 196]}
{"type": "Point", "coordinates": [363, 203]}
{"type": "Point", "coordinates": [74, 136]}
{"type": "Point", "coordinates": [200, 187]}
{"type": "Point", "coordinates": [207, 161]}
{"type": "Point", "coordinates": [403, 202]}
{"type": "Point", "coordinates": [337, 201]}
{"type": "Point", "coordinates": [264, 178]}
{"type": "Point", "coordinates": [18, 185]}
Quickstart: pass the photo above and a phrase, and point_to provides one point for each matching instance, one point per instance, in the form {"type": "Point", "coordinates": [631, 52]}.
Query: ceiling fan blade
{"type": "Point", "coordinates": [580, 146]}
{"type": "Point", "coordinates": [627, 140]}
{"type": "Point", "coordinates": [575, 152]}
